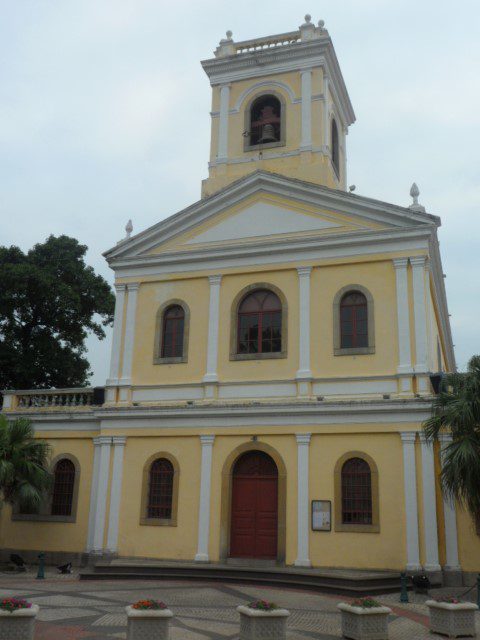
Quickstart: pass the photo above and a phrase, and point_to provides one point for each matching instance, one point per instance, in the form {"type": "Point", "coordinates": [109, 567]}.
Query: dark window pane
{"type": "Point", "coordinates": [63, 483]}
{"type": "Point", "coordinates": [160, 490]}
{"type": "Point", "coordinates": [356, 492]}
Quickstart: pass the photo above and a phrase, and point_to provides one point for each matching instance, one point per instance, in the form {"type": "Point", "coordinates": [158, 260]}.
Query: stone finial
{"type": "Point", "coordinates": [226, 46]}
{"type": "Point", "coordinates": [415, 192]}
{"type": "Point", "coordinates": [308, 31]}
{"type": "Point", "coordinates": [128, 229]}
{"type": "Point", "coordinates": [321, 24]}
{"type": "Point", "coordinates": [308, 18]}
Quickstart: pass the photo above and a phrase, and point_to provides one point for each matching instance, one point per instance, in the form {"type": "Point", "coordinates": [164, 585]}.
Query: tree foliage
{"type": "Point", "coordinates": [457, 409]}
{"type": "Point", "coordinates": [49, 301]}
{"type": "Point", "coordinates": [24, 475]}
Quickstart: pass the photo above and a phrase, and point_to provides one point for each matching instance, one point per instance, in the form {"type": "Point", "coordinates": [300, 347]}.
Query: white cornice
{"type": "Point", "coordinates": [261, 181]}
{"type": "Point", "coordinates": [297, 56]}
{"type": "Point", "coordinates": [391, 412]}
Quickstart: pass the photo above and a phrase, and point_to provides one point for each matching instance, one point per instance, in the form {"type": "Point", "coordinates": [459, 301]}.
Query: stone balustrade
{"type": "Point", "coordinates": [50, 398]}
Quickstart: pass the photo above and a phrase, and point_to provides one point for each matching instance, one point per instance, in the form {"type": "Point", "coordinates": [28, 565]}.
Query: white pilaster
{"type": "Point", "coordinates": [429, 507]}
{"type": "Point", "coordinates": [213, 322]}
{"type": "Point", "coordinates": [403, 322]}
{"type": "Point", "coordinates": [132, 288]}
{"type": "Point", "coordinates": [411, 509]}
{"type": "Point", "coordinates": [303, 559]}
{"type": "Point", "coordinates": [304, 371]}
{"type": "Point", "coordinates": [420, 315]}
{"type": "Point", "coordinates": [93, 494]}
{"type": "Point", "coordinates": [326, 123]}
{"type": "Point", "coordinates": [104, 443]}
{"type": "Point", "coordinates": [343, 147]}
{"type": "Point", "coordinates": [450, 520]}
{"type": "Point", "coordinates": [306, 142]}
{"type": "Point", "coordinates": [115, 493]}
{"type": "Point", "coordinates": [222, 151]}
{"type": "Point", "coordinates": [117, 334]}
{"type": "Point", "coordinates": [204, 506]}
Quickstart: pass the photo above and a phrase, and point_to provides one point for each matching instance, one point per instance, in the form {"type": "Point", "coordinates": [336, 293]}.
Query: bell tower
{"type": "Point", "coordinates": [279, 104]}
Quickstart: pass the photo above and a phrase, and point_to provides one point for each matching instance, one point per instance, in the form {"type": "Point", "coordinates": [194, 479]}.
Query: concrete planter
{"type": "Point", "coordinates": [452, 619]}
{"type": "Point", "coordinates": [362, 623]}
{"type": "Point", "coordinates": [147, 624]}
{"type": "Point", "coordinates": [18, 625]}
{"type": "Point", "coordinates": [256, 624]}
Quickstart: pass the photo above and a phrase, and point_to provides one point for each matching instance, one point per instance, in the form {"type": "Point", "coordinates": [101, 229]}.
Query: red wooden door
{"type": "Point", "coordinates": [253, 524]}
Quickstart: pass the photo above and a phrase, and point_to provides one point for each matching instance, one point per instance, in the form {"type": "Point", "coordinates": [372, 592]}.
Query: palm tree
{"type": "Point", "coordinates": [457, 409]}
{"type": "Point", "coordinates": [24, 475]}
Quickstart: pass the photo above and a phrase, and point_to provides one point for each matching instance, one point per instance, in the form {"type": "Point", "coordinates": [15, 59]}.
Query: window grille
{"type": "Point", "coordinates": [160, 490]}
{"type": "Point", "coordinates": [260, 323]}
{"type": "Point", "coordinates": [64, 481]}
{"type": "Point", "coordinates": [356, 492]}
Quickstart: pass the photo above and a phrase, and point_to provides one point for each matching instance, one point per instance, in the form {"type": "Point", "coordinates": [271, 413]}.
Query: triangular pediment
{"type": "Point", "coordinates": [264, 206]}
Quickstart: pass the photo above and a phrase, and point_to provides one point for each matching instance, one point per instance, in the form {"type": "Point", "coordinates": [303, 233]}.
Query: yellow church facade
{"type": "Point", "coordinates": [271, 358]}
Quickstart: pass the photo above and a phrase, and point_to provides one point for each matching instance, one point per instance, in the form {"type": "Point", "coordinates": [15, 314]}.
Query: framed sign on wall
{"type": "Point", "coordinates": [321, 515]}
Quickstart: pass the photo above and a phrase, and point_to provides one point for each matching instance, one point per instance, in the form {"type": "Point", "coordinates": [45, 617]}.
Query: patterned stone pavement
{"type": "Point", "coordinates": [70, 609]}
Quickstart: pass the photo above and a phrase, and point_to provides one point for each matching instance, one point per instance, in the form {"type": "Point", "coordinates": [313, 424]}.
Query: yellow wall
{"type": "Point", "coordinates": [56, 536]}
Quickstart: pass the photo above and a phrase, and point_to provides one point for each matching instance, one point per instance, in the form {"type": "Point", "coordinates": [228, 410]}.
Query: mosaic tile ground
{"type": "Point", "coordinates": [70, 610]}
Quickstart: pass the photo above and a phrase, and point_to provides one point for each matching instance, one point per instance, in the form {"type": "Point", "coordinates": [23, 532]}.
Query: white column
{"type": "Point", "coordinates": [304, 328]}
{"type": "Point", "coordinates": [93, 494]}
{"type": "Point", "coordinates": [420, 314]}
{"type": "Point", "coordinates": [450, 519]}
{"type": "Point", "coordinates": [117, 334]}
{"type": "Point", "coordinates": [429, 507]}
{"type": "Point", "coordinates": [222, 151]}
{"type": "Point", "coordinates": [303, 515]}
{"type": "Point", "coordinates": [326, 123]}
{"type": "Point", "coordinates": [411, 508]}
{"type": "Point", "coordinates": [204, 506]}
{"type": "Point", "coordinates": [104, 442]}
{"type": "Point", "coordinates": [403, 321]}
{"type": "Point", "coordinates": [132, 288]}
{"type": "Point", "coordinates": [306, 142]}
{"type": "Point", "coordinates": [213, 322]}
{"type": "Point", "coordinates": [115, 493]}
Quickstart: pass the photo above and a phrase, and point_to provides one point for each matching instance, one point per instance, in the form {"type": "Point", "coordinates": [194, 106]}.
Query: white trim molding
{"type": "Point", "coordinates": [115, 493]}
{"type": "Point", "coordinates": [205, 494]}
{"type": "Point", "coordinates": [304, 372]}
{"type": "Point", "coordinates": [411, 508]}
{"type": "Point", "coordinates": [429, 506]}
{"type": "Point", "coordinates": [450, 518]}
{"type": "Point", "coordinates": [132, 289]}
{"type": "Point", "coordinates": [306, 81]}
{"type": "Point", "coordinates": [117, 334]}
{"type": "Point", "coordinates": [222, 151]}
{"type": "Point", "coordinates": [303, 503]}
{"type": "Point", "coordinates": [213, 324]}
{"type": "Point", "coordinates": [403, 322]}
{"type": "Point", "coordinates": [419, 269]}
{"type": "Point", "coordinates": [103, 443]}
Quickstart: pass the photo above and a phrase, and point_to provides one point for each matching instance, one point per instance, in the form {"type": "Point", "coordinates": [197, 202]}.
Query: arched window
{"type": "Point", "coordinates": [172, 332]}
{"type": "Point", "coordinates": [265, 121]}
{"type": "Point", "coordinates": [63, 486]}
{"type": "Point", "coordinates": [259, 323]}
{"type": "Point", "coordinates": [353, 320]}
{"type": "Point", "coordinates": [160, 489]}
{"type": "Point", "coordinates": [356, 492]}
{"type": "Point", "coordinates": [335, 148]}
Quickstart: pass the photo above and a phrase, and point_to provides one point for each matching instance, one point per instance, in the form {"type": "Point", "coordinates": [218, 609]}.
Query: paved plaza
{"type": "Point", "coordinates": [70, 609]}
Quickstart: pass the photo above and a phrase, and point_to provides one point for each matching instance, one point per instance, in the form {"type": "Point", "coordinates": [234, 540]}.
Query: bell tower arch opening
{"type": "Point", "coordinates": [265, 122]}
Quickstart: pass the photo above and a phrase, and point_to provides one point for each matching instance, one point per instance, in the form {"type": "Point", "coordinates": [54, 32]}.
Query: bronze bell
{"type": "Point", "coordinates": [268, 134]}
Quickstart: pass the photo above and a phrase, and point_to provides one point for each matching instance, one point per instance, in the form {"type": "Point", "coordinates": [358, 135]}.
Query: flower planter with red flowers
{"type": "Point", "coordinates": [148, 619]}
{"type": "Point", "coordinates": [364, 619]}
{"type": "Point", "coordinates": [452, 617]}
{"type": "Point", "coordinates": [261, 619]}
{"type": "Point", "coordinates": [17, 619]}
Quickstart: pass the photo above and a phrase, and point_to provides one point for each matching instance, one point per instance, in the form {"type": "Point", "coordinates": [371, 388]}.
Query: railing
{"type": "Point", "coordinates": [49, 398]}
{"type": "Point", "coordinates": [268, 42]}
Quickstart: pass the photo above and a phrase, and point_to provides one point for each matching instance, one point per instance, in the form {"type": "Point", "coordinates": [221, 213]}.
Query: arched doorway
{"type": "Point", "coordinates": [254, 511]}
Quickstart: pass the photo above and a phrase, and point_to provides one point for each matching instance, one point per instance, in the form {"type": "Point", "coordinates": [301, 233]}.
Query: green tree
{"type": "Point", "coordinates": [49, 301]}
{"type": "Point", "coordinates": [24, 475]}
{"type": "Point", "coordinates": [457, 409]}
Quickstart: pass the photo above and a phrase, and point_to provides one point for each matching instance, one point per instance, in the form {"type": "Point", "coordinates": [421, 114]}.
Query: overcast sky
{"type": "Point", "coordinates": [104, 116]}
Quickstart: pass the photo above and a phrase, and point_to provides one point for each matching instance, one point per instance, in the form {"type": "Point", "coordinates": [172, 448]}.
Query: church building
{"type": "Point", "coordinates": [273, 349]}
